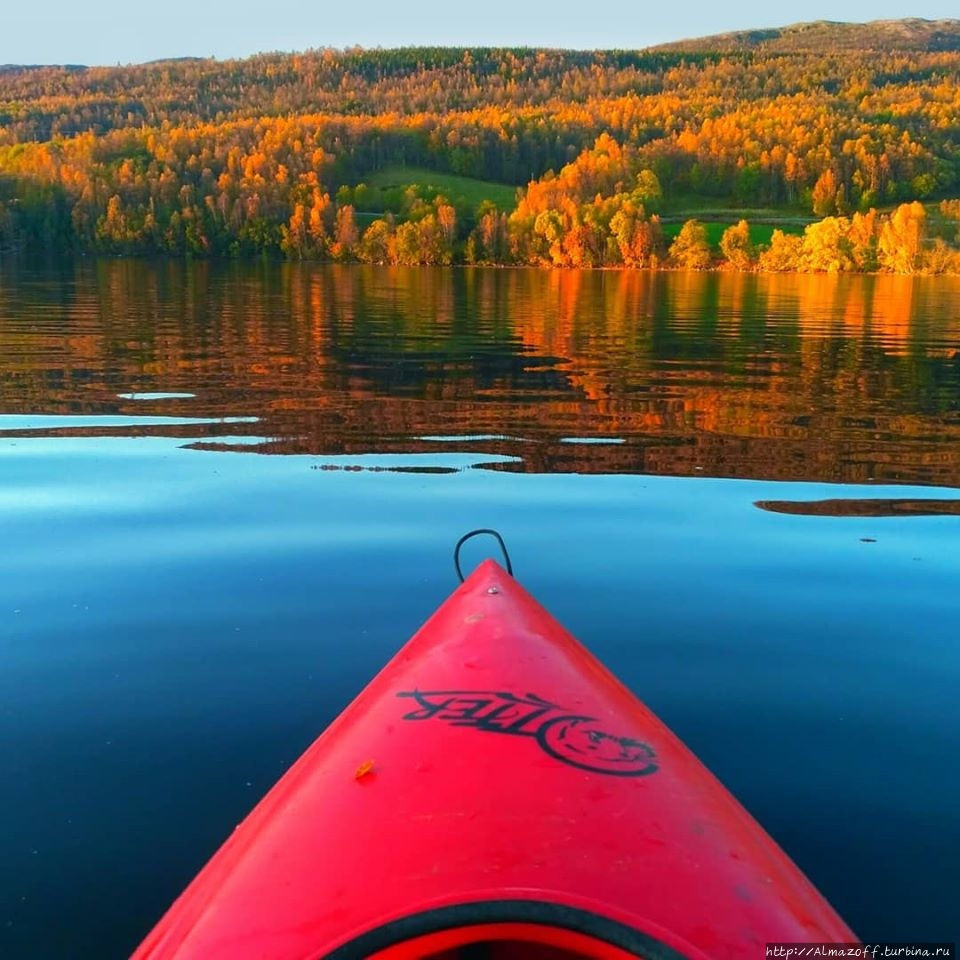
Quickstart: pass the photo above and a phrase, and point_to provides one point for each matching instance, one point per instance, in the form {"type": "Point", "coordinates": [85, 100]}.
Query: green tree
{"type": "Point", "coordinates": [648, 190]}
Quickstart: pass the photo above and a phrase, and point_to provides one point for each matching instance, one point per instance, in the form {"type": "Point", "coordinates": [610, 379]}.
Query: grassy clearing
{"type": "Point", "coordinates": [760, 233]}
{"type": "Point", "coordinates": [716, 218]}
{"type": "Point", "coordinates": [460, 191]}
{"type": "Point", "coordinates": [688, 205]}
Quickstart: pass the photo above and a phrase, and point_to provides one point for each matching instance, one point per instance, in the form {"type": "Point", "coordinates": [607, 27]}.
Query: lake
{"type": "Point", "coordinates": [228, 493]}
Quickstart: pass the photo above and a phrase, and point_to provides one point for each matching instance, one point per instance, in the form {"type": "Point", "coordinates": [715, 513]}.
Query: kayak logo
{"type": "Point", "coordinates": [572, 738]}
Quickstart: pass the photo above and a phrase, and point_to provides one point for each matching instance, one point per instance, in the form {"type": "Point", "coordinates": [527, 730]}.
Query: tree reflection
{"type": "Point", "coordinates": [790, 377]}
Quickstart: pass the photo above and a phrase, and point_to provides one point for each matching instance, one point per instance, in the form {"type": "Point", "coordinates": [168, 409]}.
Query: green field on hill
{"type": "Point", "coordinates": [391, 183]}
{"type": "Point", "coordinates": [760, 233]}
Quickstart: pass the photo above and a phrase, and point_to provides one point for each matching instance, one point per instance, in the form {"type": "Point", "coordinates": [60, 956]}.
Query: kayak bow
{"type": "Point", "coordinates": [494, 792]}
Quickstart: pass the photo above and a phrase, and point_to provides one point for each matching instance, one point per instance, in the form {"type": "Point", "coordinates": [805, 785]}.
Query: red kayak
{"type": "Point", "coordinates": [495, 792]}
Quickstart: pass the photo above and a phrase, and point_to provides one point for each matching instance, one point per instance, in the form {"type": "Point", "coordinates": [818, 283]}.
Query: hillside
{"type": "Point", "coordinates": [350, 153]}
{"type": "Point", "coordinates": [885, 36]}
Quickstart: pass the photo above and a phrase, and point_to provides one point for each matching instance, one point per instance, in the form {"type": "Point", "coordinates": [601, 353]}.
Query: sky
{"type": "Point", "coordinates": [108, 32]}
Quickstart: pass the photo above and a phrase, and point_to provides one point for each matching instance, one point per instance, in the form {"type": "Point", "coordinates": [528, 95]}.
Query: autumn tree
{"type": "Point", "coordinates": [295, 240]}
{"type": "Point", "coordinates": [823, 197]}
{"type": "Point", "coordinates": [345, 234]}
{"type": "Point", "coordinates": [902, 234]}
{"type": "Point", "coordinates": [488, 242]}
{"type": "Point", "coordinates": [783, 255]}
{"type": "Point", "coordinates": [941, 258]}
{"type": "Point", "coordinates": [862, 238]}
{"type": "Point", "coordinates": [378, 243]}
{"type": "Point", "coordinates": [113, 230]}
{"type": "Point", "coordinates": [737, 246]}
{"type": "Point", "coordinates": [639, 240]}
{"type": "Point", "coordinates": [827, 247]}
{"type": "Point", "coordinates": [690, 248]}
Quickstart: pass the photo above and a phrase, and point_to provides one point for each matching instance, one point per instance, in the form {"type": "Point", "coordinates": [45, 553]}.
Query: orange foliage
{"type": "Point", "coordinates": [134, 160]}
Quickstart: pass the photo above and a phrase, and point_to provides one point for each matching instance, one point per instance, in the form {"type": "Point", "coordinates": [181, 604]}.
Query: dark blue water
{"type": "Point", "coordinates": [228, 495]}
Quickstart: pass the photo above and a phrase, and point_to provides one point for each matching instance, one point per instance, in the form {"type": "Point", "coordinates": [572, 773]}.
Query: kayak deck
{"type": "Point", "coordinates": [495, 791]}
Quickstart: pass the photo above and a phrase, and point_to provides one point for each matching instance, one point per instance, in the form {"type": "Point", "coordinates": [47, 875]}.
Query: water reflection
{"type": "Point", "coordinates": [177, 624]}
{"type": "Point", "coordinates": [847, 379]}
{"type": "Point", "coordinates": [899, 507]}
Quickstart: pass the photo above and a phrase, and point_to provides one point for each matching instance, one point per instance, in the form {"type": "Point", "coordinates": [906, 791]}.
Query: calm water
{"type": "Point", "coordinates": [227, 495]}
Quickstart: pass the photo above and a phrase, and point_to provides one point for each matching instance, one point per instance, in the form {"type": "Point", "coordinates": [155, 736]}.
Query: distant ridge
{"type": "Point", "coordinates": [818, 36]}
{"type": "Point", "coordinates": [22, 67]}
{"type": "Point", "coordinates": [824, 35]}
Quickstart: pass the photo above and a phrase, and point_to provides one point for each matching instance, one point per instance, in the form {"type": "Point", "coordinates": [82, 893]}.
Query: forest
{"type": "Point", "coordinates": [820, 147]}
